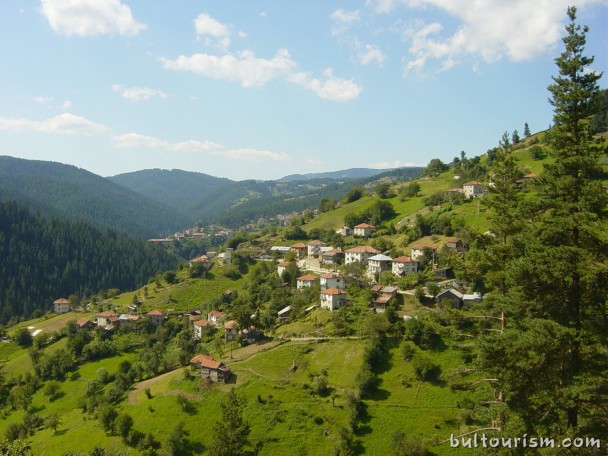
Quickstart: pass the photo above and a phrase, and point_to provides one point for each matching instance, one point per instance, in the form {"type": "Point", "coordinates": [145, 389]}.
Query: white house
{"type": "Point", "coordinates": [202, 327]}
{"type": "Point", "coordinates": [332, 256]}
{"type": "Point", "coordinates": [378, 263]}
{"type": "Point", "coordinates": [332, 298]}
{"type": "Point", "coordinates": [470, 299]}
{"type": "Point", "coordinates": [360, 253]}
{"type": "Point", "coordinates": [282, 267]}
{"type": "Point", "coordinates": [156, 316]}
{"type": "Point", "coordinates": [404, 265]}
{"type": "Point", "coordinates": [418, 251]}
{"type": "Point", "coordinates": [473, 189]}
{"type": "Point", "coordinates": [306, 281]}
{"type": "Point", "coordinates": [331, 280]}
{"type": "Point", "coordinates": [215, 315]}
{"type": "Point", "coordinates": [61, 306]}
{"type": "Point", "coordinates": [314, 248]}
{"type": "Point", "coordinates": [345, 231]}
{"type": "Point", "coordinates": [363, 230]}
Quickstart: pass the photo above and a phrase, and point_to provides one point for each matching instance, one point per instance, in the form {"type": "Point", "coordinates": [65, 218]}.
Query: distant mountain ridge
{"type": "Point", "coordinates": [351, 173]}
{"type": "Point", "coordinates": [65, 191]}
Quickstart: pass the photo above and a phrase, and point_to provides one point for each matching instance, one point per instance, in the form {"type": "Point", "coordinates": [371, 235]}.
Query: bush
{"type": "Point", "coordinates": [320, 385]}
{"type": "Point", "coordinates": [408, 349]}
{"type": "Point", "coordinates": [425, 368]}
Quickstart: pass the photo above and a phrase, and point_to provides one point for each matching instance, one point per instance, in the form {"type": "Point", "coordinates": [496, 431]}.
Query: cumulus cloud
{"type": "Point", "coordinates": [43, 100]}
{"type": "Point", "coordinates": [137, 93]}
{"type": "Point", "coordinates": [330, 88]}
{"type": "Point", "coordinates": [63, 124]}
{"type": "Point", "coordinates": [342, 20]}
{"type": "Point", "coordinates": [90, 17]}
{"type": "Point", "coordinates": [135, 140]}
{"type": "Point", "coordinates": [489, 29]}
{"type": "Point", "coordinates": [213, 32]}
{"type": "Point", "coordinates": [243, 67]}
{"type": "Point", "coordinates": [67, 104]}
{"type": "Point", "coordinates": [393, 164]}
{"type": "Point", "coordinates": [369, 53]}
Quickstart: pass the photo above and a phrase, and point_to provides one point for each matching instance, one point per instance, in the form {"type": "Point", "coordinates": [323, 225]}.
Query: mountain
{"type": "Point", "coordinates": [351, 173]}
{"type": "Point", "coordinates": [175, 188]}
{"type": "Point", "coordinates": [45, 258]}
{"type": "Point", "coordinates": [65, 191]}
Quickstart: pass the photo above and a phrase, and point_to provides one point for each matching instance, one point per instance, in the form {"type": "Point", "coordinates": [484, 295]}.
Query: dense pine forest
{"type": "Point", "coordinates": [44, 258]}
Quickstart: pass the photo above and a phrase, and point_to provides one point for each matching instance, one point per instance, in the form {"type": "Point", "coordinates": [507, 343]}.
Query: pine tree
{"type": "Point", "coordinates": [527, 133]}
{"type": "Point", "coordinates": [551, 359]}
{"type": "Point", "coordinates": [231, 431]}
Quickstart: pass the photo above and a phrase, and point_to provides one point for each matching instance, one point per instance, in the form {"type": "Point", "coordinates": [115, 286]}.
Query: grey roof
{"type": "Point", "coordinates": [380, 257]}
{"type": "Point", "coordinates": [451, 291]}
{"type": "Point", "coordinates": [284, 311]}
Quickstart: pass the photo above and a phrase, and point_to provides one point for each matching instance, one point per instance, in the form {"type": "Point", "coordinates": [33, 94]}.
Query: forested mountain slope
{"type": "Point", "coordinates": [43, 259]}
{"type": "Point", "coordinates": [76, 194]}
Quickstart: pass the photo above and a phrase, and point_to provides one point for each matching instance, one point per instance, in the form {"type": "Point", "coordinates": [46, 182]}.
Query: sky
{"type": "Point", "coordinates": [262, 89]}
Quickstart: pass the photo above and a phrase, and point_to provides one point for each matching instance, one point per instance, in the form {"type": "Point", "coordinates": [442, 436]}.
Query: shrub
{"type": "Point", "coordinates": [425, 368]}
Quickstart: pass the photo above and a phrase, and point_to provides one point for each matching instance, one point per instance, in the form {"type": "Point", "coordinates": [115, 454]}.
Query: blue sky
{"type": "Point", "coordinates": [261, 89]}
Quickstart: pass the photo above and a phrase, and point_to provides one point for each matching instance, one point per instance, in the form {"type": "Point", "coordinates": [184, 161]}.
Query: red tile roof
{"type": "Point", "coordinates": [201, 259]}
{"type": "Point", "coordinates": [156, 312]}
{"type": "Point", "coordinates": [316, 242]}
{"type": "Point", "coordinates": [106, 314]}
{"type": "Point", "coordinates": [82, 322]}
{"type": "Point", "coordinates": [216, 313]}
{"type": "Point", "coordinates": [206, 361]}
{"type": "Point", "coordinates": [61, 301]}
{"type": "Point", "coordinates": [308, 277]}
{"type": "Point", "coordinates": [203, 323]}
{"type": "Point", "coordinates": [330, 275]}
{"type": "Point", "coordinates": [403, 259]}
{"type": "Point", "coordinates": [363, 249]}
{"type": "Point", "coordinates": [364, 225]}
{"type": "Point", "coordinates": [231, 324]}
{"type": "Point", "coordinates": [299, 245]}
{"type": "Point", "coordinates": [333, 291]}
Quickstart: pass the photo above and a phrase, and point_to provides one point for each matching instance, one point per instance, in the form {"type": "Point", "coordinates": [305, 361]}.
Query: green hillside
{"type": "Point", "coordinates": [72, 193]}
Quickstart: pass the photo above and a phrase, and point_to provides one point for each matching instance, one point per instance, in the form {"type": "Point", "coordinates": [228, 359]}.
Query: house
{"type": "Point", "coordinates": [61, 306]}
{"type": "Point", "coordinates": [203, 259]}
{"type": "Point", "coordinates": [345, 231]}
{"type": "Point", "coordinates": [215, 315]}
{"type": "Point", "coordinates": [331, 280]}
{"type": "Point", "coordinates": [282, 267]}
{"type": "Point", "coordinates": [384, 295]}
{"type": "Point", "coordinates": [469, 299]}
{"type": "Point", "coordinates": [314, 248]}
{"type": "Point", "coordinates": [473, 189]}
{"type": "Point", "coordinates": [363, 230]}
{"type": "Point", "coordinates": [418, 251]}
{"type": "Point", "coordinates": [280, 250]}
{"type": "Point", "coordinates": [332, 298]}
{"type": "Point", "coordinates": [209, 368]}
{"type": "Point", "coordinates": [378, 263]}
{"type": "Point", "coordinates": [284, 314]}
{"type": "Point", "coordinates": [157, 317]}
{"type": "Point", "coordinates": [451, 295]}
{"type": "Point", "coordinates": [332, 257]}
{"type": "Point", "coordinates": [300, 249]}
{"type": "Point", "coordinates": [128, 319]}
{"type": "Point", "coordinates": [360, 254]}
{"type": "Point", "coordinates": [84, 323]}
{"type": "Point", "coordinates": [107, 319]}
{"type": "Point", "coordinates": [306, 281]}
{"type": "Point", "coordinates": [455, 243]}
{"type": "Point", "coordinates": [231, 330]}
{"type": "Point", "coordinates": [202, 328]}
{"type": "Point", "coordinates": [404, 265]}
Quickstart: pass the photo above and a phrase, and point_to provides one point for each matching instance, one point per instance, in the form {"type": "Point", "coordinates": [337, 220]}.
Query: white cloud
{"type": "Point", "coordinates": [253, 155]}
{"type": "Point", "coordinates": [214, 33]}
{"type": "Point", "coordinates": [90, 17]}
{"type": "Point", "coordinates": [331, 88]}
{"type": "Point", "coordinates": [137, 93]}
{"type": "Point", "coordinates": [487, 29]}
{"type": "Point", "coordinates": [67, 104]}
{"type": "Point", "coordinates": [343, 20]}
{"type": "Point", "coordinates": [63, 124]}
{"type": "Point", "coordinates": [243, 67]}
{"type": "Point", "coordinates": [369, 53]}
{"type": "Point", "coordinates": [43, 100]}
{"type": "Point", "coordinates": [135, 140]}
{"type": "Point", "coordinates": [393, 164]}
